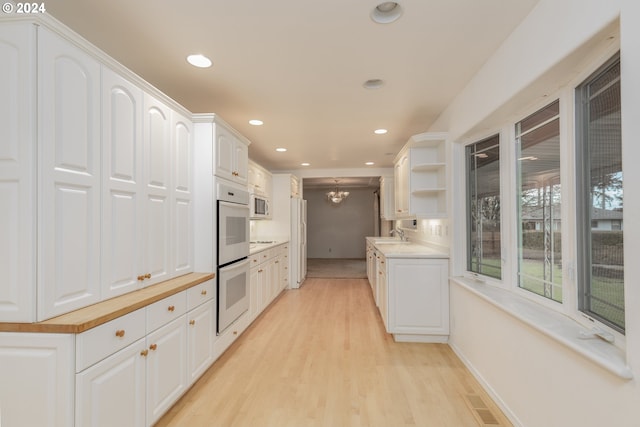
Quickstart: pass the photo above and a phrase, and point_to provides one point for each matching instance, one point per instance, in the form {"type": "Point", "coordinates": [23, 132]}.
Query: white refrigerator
{"type": "Point", "coordinates": [298, 242]}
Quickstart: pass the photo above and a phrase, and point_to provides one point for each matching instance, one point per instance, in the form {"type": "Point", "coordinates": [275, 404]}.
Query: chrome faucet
{"type": "Point", "coordinates": [399, 232]}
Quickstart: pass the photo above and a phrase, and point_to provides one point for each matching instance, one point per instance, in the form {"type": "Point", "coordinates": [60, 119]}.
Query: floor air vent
{"type": "Point", "coordinates": [481, 411]}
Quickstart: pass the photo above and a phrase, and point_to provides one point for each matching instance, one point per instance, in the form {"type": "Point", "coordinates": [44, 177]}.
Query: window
{"type": "Point", "coordinates": [600, 197]}
{"type": "Point", "coordinates": [539, 202]}
{"type": "Point", "coordinates": [483, 207]}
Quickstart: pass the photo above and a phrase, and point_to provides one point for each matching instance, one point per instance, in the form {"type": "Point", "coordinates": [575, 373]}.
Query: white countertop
{"type": "Point", "coordinates": [392, 247]}
{"type": "Point", "coordinates": [262, 245]}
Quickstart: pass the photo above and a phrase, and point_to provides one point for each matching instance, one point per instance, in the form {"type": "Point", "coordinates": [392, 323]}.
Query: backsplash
{"type": "Point", "coordinates": [430, 231]}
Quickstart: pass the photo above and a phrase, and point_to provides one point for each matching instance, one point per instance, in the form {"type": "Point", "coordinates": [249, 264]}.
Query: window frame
{"type": "Point", "coordinates": [505, 128]}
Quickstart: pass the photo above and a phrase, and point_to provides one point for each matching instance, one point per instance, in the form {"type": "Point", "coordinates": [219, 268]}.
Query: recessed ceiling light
{"type": "Point", "coordinates": [199, 61]}
{"type": "Point", "coordinates": [305, 164]}
{"type": "Point", "coordinates": [373, 84]}
{"type": "Point", "coordinates": [281, 150]}
{"type": "Point", "coordinates": [386, 12]}
{"type": "Point", "coordinates": [369, 163]}
{"type": "Point", "coordinates": [380, 131]}
{"type": "Point", "coordinates": [256, 122]}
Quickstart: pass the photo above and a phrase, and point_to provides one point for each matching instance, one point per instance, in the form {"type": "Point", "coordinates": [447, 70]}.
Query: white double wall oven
{"type": "Point", "coordinates": [232, 253]}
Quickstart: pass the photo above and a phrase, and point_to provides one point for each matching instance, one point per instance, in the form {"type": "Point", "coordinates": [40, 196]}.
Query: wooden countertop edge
{"type": "Point", "coordinates": [91, 316]}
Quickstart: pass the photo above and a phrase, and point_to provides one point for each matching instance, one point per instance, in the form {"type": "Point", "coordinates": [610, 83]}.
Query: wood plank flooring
{"type": "Point", "coordinates": [319, 356]}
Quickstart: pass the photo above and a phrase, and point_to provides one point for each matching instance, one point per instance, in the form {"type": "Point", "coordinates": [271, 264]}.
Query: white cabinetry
{"type": "Point", "coordinates": [231, 155]}
{"type": "Point", "coordinates": [112, 392]}
{"type": "Point", "coordinates": [107, 184]}
{"type": "Point", "coordinates": [17, 173]}
{"type": "Point", "coordinates": [182, 172]}
{"type": "Point", "coordinates": [200, 334]}
{"type": "Point", "coordinates": [420, 177]}
{"type": "Point", "coordinates": [418, 299]}
{"type": "Point", "coordinates": [123, 221]}
{"type": "Point", "coordinates": [69, 176]}
{"type": "Point", "coordinates": [387, 198]}
{"type": "Point", "coordinates": [39, 370]}
{"type": "Point", "coordinates": [259, 180]}
{"type": "Point", "coordinates": [267, 278]}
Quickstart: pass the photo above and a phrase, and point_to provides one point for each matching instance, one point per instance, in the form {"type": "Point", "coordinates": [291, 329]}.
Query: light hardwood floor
{"type": "Point", "coordinates": [319, 356]}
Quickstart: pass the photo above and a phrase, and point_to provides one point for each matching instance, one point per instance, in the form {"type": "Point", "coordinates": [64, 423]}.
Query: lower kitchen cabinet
{"type": "Point", "coordinates": [166, 367]}
{"type": "Point", "coordinates": [36, 374]}
{"type": "Point", "coordinates": [112, 392]}
{"type": "Point", "coordinates": [200, 335]}
{"type": "Point", "coordinates": [418, 299]}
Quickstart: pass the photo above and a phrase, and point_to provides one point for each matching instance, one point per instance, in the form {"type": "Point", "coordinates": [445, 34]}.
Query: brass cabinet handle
{"type": "Point", "coordinates": [277, 262]}
{"type": "Point", "coordinates": [144, 352]}
{"type": "Point", "coordinates": [120, 333]}
{"type": "Point", "coordinates": [235, 332]}
{"type": "Point", "coordinates": [204, 292]}
{"type": "Point", "coordinates": [192, 322]}
{"type": "Point", "coordinates": [153, 347]}
{"type": "Point", "coordinates": [147, 276]}
{"type": "Point", "coordinates": [171, 308]}
{"type": "Point", "coordinates": [140, 278]}
{"type": "Point", "coordinates": [260, 271]}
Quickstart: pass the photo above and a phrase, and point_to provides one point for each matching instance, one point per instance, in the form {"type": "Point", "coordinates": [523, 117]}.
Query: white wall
{"type": "Point", "coordinates": [339, 231]}
{"type": "Point", "coordinates": [538, 381]}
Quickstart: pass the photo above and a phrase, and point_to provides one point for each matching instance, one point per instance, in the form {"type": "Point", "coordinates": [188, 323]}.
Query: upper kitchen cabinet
{"type": "Point", "coordinates": [296, 190]}
{"type": "Point", "coordinates": [95, 173]}
{"type": "Point", "coordinates": [259, 180]}
{"type": "Point", "coordinates": [387, 198]}
{"type": "Point", "coordinates": [420, 177]}
{"type": "Point", "coordinates": [231, 155]}
{"type": "Point", "coordinates": [69, 176]}
{"type": "Point", "coordinates": [17, 172]}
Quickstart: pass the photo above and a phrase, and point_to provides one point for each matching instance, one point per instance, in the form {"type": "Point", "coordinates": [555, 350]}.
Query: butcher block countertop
{"type": "Point", "coordinates": [89, 317]}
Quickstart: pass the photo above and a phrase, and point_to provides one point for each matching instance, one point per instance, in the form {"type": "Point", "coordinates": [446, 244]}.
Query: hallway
{"type": "Point", "coordinates": [319, 357]}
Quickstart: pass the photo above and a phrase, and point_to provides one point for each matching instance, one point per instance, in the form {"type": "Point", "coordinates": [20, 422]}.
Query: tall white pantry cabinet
{"type": "Point", "coordinates": [96, 184]}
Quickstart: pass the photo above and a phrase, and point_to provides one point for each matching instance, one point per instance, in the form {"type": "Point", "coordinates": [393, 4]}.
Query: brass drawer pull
{"type": "Point", "coordinates": [204, 292]}
{"type": "Point", "coordinates": [120, 333]}
{"type": "Point", "coordinates": [192, 322]}
{"type": "Point", "coordinates": [153, 347]}
{"type": "Point", "coordinates": [144, 352]}
{"type": "Point", "coordinates": [171, 308]}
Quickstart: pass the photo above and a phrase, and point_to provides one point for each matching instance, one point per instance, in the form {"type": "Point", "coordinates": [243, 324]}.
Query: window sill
{"type": "Point", "coordinates": [553, 324]}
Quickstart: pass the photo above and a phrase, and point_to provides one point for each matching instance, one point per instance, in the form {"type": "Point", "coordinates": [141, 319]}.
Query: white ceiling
{"type": "Point", "coordinates": [299, 66]}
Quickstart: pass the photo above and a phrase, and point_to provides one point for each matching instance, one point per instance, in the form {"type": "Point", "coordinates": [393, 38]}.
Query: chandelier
{"type": "Point", "coordinates": [337, 196]}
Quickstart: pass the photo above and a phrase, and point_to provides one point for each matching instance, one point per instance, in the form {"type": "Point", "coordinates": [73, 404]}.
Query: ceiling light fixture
{"type": "Point", "coordinates": [337, 196]}
{"type": "Point", "coordinates": [369, 163]}
{"type": "Point", "coordinates": [380, 131]}
{"type": "Point", "coordinates": [256, 122]}
{"type": "Point", "coordinates": [386, 12]}
{"type": "Point", "coordinates": [305, 164]}
{"type": "Point", "coordinates": [281, 150]}
{"type": "Point", "coordinates": [373, 84]}
{"type": "Point", "coordinates": [200, 61]}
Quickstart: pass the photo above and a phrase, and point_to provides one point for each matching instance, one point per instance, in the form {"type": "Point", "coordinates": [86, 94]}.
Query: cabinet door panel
{"type": "Point", "coordinates": [36, 372]}
{"type": "Point", "coordinates": [157, 185]}
{"type": "Point", "coordinates": [241, 156]}
{"type": "Point", "coordinates": [200, 335]}
{"type": "Point", "coordinates": [182, 221]}
{"type": "Point", "coordinates": [122, 220]}
{"type": "Point", "coordinates": [17, 173]}
{"type": "Point", "coordinates": [69, 209]}
{"type": "Point", "coordinates": [225, 146]}
{"type": "Point", "coordinates": [166, 368]}
{"type": "Point", "coordinates": [112, 392]}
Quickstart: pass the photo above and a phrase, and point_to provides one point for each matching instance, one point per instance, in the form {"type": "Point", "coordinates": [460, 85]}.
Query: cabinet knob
{"type": "Point", "coordinates": [260, 271]}
{"type": "Point", "coordinates": [120, 333]}
{"type": "Point", "coordinates": [235, 332]}
{"type": "Point", "coordinates": [153, 347]}
{"type": "Point", "coordinates": [144, 353]}
{"type": "Point", "coordinates": [277, 262]}
{"type": "Point", "coordinates": [171, 308]}
{"type": "Point", "coordinates": [204, 292]}
{"type": "Point", "coordinates": [192, 322]}
{"type": "Point", "coordinates": [140, 278]}
{"type": "Point", "coordinates": [147, 276]}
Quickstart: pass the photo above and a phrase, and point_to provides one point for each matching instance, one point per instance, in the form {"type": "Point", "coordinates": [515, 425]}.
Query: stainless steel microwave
{"type": "Point", "coordinates": [259, 207]}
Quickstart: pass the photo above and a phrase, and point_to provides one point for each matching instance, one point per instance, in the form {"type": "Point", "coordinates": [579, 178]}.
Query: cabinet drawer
{"type": "Point", "coordinates": [255, 259]}
{"type": "Point", "coordinates": [164, 311]}
{"type": "Point", "coordinates": [200, 293]}
{"type": "Point", "coordinates": [102, 341]}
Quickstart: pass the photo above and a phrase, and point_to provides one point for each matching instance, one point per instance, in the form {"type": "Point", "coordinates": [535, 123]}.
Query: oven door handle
{"type": "Point", "coordinates": [233, 205]}
{"type": "Point", "coordinates": [236, 265]}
